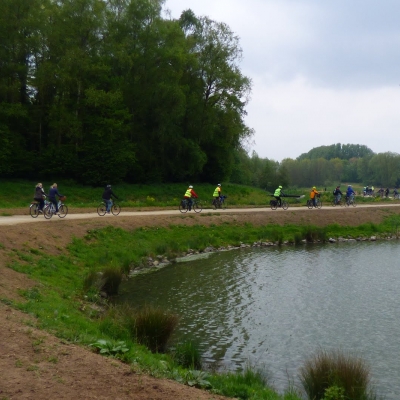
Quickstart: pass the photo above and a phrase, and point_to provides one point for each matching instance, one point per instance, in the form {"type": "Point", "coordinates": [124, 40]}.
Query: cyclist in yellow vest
{"type": "Point", "coordinates": [188, 196]}
{"type": "Point", "coordinates": [277, 194]}
{"type": "Point", "coordinates": [217, 193]}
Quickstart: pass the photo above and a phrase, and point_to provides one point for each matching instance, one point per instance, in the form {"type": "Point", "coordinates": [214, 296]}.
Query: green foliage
{"type": "Point", "coordinates": [325, 370]}
{"type": "Point", "coordinates": [334, 393]}
{"type": "Point", "coordinates": [341, 151]}
{"type": "Point", "coordinates": [249, 384]}
{"type": "Point", "coordinates": [108, 348]}
{"type": "Point", "coordinates": [187, 354]}
{"type": "Point", "coordinates": [136, 105]}
{"type": "Point", "coordinates": [193, 378]}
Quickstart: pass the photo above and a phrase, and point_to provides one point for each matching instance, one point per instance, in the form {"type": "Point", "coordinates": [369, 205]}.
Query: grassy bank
{"type": "Point", "coordinates": [16, 194]}
{"type": "Point", "coordinates": [64, 307]}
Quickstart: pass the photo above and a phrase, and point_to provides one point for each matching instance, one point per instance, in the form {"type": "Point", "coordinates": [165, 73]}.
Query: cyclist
{"type": "Point", "coordinates": [53, 192]}
{"type": "Point", "coordinates": [313, 196]}
{"type": "Point", "coordinates": [107, 194]}
{"type": "Point", "coordinates": [350, 193]}
{"type": "Point", "coordinates": [338, 194]}
{"type": "Point", "coordinates": [217, 194]}
{"type": "Point", "coordinates": [278, 194]}
{"type": "Point", "coordinates": [40, 196]}
{"type": "Point", "coordinates": [188, 196]}
{"type": "Point", "coordinates": [387, 191]}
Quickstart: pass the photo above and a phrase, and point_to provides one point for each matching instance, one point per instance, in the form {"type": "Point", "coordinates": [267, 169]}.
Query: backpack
{"type": "Point", "coordinates": [334, 192]}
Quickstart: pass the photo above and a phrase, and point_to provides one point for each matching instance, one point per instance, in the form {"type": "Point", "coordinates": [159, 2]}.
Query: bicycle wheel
{"type": "Point", "coordinates": [285, 205]}
{"type": "Point", "coordinates": [353, 203]}
{"type": "Point", "coordinates": [333, 203]}
{"type": "Point", "coordinates": [319, 203]}
{"type": "Point", "coordinates": [62, 211]}
{"type": "Point", "coordinates": [115, 209]}
{"type": "Point", "coordinates": [310, 204]}
{"type": "Point", "coordinates": [34, 210]}
{"type": "Point", "coordinates": [197, 207]}
{"type": "Point", "coordinates": [101, 209]}
{"type": "Point", "coordinates": [273, 204]}
{"type": "Point", "coordinates": [183, 206]}
{"type": "Point", "coordinates": [48, 211]}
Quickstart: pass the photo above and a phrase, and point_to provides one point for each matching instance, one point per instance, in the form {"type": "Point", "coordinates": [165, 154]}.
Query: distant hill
{"type": "Point", "coordinates": [342, 151]}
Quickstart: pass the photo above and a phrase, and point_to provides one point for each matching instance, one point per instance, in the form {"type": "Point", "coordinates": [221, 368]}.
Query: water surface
{"type": "Point", "coordinates": [273, 307]}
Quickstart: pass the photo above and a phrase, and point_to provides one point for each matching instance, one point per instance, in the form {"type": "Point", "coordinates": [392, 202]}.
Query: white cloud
{"type": "Point", "coordinates": [291, 118]}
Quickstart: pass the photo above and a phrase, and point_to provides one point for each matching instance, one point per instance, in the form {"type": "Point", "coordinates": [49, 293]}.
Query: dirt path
{"type": "Point", "coordinates": [35, 365]}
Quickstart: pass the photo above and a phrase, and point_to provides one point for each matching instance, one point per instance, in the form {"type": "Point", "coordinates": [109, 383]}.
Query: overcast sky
{"type": "Point", "coordinates": [323, 72]}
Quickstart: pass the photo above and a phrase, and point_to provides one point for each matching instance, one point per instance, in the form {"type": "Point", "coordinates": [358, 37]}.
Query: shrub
{"type": "Point", "coordinates": [325, 370]}
{"type": "Point", "coordinates": [154, 327]}
{"type": "Point", "coordinates": [111, 278]}
{"type": "Point", "coordinates": [187, 354]}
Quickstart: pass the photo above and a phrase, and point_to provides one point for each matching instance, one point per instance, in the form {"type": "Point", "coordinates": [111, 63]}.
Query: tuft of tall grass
{"type": "Point", "coordinates": [153, 327]}
{"type": "Point", "coordinates": [325, 370]}
{"type": "Point", "coordinates": [112, 278]}
{"type": "Point", "coordinates": [187, 355]}
{"type": "Point", "coordinates": [108, 281]}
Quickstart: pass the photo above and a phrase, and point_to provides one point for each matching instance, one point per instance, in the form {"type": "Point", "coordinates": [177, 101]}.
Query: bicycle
{"type": "Point", "coordinates": [219, 202]}
{"type": "Point", "coordinates": [335, 202]}
{"type": "Point", "coordinates": [318, 202]}
{"type": "Point", "coordinates": [34, 209]}
{"type": "Point", "coordinates": [49, 209]}
{"type": "Point", "coordinates": [184, 206]}
{"type": "Point", "coordinates": [396, 196]}
{"type": "Point", "coordinates": [102, 209]}
{"type": "Point", "coordinates": [349, 201]}
{"type": "Point", "coordinates": [274, 204]}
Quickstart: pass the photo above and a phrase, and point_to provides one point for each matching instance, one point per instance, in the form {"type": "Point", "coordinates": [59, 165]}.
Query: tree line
{"type": "Point", "coordinates": [323, 166]}
{"type": "Point", "coordinates": [107, 90]}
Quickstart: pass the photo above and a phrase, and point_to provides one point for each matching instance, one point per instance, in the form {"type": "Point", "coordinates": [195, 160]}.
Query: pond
{"type": "Point", "coordinates": [272, 308]}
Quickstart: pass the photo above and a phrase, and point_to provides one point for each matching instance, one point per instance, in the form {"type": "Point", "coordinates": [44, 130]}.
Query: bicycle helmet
{"type": "Point", "coordinates": [314, 187]}
{"type": "Point", "coordinates": [190, 187]}
{"type": "Point", "coordinates": [280, 187]}
{"type": "Point", "coordinates": [219, 184]}
{"type": "Point", "coordinates": [108, 186]}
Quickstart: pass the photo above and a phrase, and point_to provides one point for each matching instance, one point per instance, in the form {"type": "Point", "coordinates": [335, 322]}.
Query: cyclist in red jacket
{"type": "Point", "coordinates": [189, 194]}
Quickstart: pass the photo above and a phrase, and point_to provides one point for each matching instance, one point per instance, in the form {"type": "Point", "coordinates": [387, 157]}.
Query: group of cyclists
{"type": "Point", "coordinates": [190, 194]}
{"type": "Point", "coordinates": [40, 196]}
{"type": "Point", "coordinates": [314, 194]}
{"type": "Point", "coordinates": [370, 191]}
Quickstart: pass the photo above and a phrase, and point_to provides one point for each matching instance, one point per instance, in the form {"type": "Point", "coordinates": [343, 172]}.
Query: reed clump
{"type": "Point", "coordinates": [347, 374]}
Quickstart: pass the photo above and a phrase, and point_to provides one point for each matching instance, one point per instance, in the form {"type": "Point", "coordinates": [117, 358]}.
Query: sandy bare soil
{"type": "Point", "coordinates": [36, 365]}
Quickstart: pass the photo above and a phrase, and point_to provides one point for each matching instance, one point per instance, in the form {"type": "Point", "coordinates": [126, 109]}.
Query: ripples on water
{"type": "Point", "coordinates": [272, 308]}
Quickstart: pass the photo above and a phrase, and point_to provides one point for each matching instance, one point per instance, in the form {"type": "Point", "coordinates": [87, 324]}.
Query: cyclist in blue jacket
{"type": "Point", "coordinates": [53, 192]}
{"type": "Point", "coordinates": [350, 193]}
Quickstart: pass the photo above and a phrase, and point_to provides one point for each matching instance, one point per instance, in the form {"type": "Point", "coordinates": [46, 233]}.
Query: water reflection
{"type": "Point", "coordinates": [273, 307]}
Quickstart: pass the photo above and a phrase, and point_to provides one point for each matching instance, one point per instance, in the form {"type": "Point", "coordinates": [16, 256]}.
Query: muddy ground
{"type": "Point", "coordinates": [36, 365]}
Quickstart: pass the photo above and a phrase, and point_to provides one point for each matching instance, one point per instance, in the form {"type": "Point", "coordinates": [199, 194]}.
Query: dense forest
{"type": "Point", "coordinates": [101, 90]}
{"type": "Point", "coordinates": [108, 90]}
